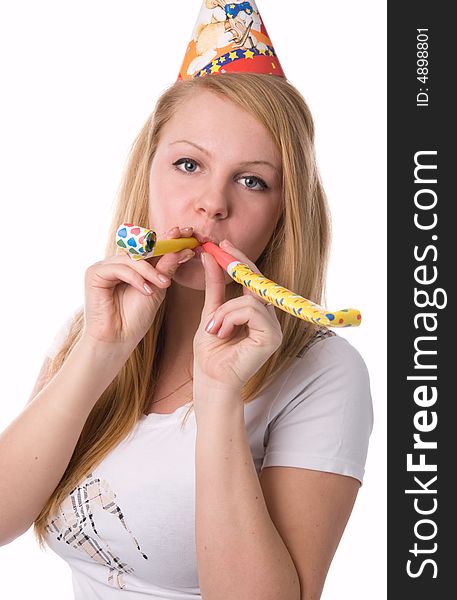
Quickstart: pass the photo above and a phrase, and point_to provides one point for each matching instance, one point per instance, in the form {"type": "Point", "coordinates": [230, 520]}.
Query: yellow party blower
{"type": "Point", "coordinates": [140, 243]}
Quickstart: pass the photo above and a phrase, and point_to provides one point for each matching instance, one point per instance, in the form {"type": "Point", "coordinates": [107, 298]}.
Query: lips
{"type": "Point", "coordinates": [204, 238]}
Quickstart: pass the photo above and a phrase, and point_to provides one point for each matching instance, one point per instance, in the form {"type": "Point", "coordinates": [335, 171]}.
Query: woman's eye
{"type": "Point", "coordinates": [252, 182]}
{"type": "Point", "coordinates": [189, 165]}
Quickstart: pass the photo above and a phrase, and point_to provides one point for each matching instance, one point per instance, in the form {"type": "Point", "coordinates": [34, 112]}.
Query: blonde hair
{"type": "Point", "coordinates": [296, 257]}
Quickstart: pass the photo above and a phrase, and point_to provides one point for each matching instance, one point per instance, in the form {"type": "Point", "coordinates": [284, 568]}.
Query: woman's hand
{"type": "Point", "coordinates": [245, 333]}
{"type": "Point", "coordinates": [118, 308]}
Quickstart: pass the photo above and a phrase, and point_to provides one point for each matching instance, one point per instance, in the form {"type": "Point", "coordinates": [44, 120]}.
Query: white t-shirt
{"type": "Point", "coordinates": [128, 530]}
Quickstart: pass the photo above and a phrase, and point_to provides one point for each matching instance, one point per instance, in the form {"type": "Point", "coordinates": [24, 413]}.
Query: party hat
{"type": "Point", "coordinates": [229, 37]}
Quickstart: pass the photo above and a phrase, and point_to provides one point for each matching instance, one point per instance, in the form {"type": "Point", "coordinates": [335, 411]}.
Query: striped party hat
{"type": "Point", "coordinates": [229, 37]}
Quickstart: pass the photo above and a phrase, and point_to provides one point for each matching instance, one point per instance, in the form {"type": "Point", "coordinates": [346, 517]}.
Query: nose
{"type": "Point", "coordinates": [213, 202]}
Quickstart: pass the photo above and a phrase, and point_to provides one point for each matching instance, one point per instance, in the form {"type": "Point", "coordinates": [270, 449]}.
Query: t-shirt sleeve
{"type": "Point", "coordinates": [61, 335]}
{"type": "Point", "coordinates": [323, 417]}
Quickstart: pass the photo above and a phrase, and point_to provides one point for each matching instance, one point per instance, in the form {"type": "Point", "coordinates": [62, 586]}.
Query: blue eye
{"type": "Point", "coordinates": [186, 162]}
{"type": "Point", "coordinates": [251, 182]}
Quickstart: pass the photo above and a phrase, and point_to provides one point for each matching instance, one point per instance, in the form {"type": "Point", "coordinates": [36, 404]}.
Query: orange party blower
{"type": "Point", "coordinates": [279, 296]}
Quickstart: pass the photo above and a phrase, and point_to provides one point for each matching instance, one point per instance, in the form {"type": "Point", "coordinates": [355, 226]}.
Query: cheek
{"type": "Point", "coordinates": [261, 228]}
{"type": "Point", "coordinates": [158, 206]}
{"type": "Point", "coordinates": [166, 197]}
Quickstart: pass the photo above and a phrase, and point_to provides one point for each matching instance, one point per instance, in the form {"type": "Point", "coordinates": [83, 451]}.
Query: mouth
{"type": "Point", "coordinates": [204, 238]}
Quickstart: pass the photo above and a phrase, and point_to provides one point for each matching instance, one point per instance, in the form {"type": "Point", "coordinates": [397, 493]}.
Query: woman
{"type": "Point", "coordinates": [252, 493]}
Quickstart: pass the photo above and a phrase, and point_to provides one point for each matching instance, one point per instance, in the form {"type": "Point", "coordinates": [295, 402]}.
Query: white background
{"type": "Point", "coordinates": [78, 81]}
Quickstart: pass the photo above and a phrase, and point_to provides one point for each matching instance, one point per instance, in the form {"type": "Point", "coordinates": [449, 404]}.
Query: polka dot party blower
{"type": "Point", "coordinates": [140, 243]}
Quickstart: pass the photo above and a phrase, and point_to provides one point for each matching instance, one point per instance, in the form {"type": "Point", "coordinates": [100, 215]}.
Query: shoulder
{"type": "Point", "coordinates": [329, 344]}
{"type": "Point", "coordinates": [329, 357]}
{"type": "Point", "coordinates": [322, 416]}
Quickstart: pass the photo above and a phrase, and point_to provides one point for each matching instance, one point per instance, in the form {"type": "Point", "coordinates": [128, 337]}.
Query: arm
{"type": "Point", "coordinates": [42, 379]}
{"type": "Point", "coordinates": [247, 547]}
{"type": "Point", "coordinates": [36, 447]}
{"type": "Point", "coordinates": [310, 509]}
{"type": "Point", "coordinates": [240, 553]}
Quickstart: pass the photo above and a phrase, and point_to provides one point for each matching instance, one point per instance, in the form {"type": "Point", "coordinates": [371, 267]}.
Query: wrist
{"type": "Point", "coordinates": [208, 389]}
{"type": "Point", "coordinates": [214, 402]}
{"type": "Point", "coordinates": [104, 350]}
{"type": "Point", "coordinates": [204, 383]}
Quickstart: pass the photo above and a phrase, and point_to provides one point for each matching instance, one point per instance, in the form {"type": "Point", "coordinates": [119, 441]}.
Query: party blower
{"type": "Point", "coordinates": [140, 243]}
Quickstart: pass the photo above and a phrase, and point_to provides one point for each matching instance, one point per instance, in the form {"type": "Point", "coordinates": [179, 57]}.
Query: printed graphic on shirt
{"type": "Point", "coordinates": [321, 334]}
{"type": "Point", "coordinates": [75, 521]}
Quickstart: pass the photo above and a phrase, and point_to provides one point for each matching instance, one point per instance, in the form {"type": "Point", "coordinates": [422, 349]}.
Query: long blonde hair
{"type": "Point", "coordinates": [296, 257]}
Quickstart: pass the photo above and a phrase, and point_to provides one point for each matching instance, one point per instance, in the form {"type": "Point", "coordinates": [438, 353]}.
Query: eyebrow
{"type": "Point", "coordinates": [245, 163]}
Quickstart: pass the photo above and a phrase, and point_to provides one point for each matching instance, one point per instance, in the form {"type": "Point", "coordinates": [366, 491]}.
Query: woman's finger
{"type": "Point", "coordinates": [156, 273]}
{"type": "Point", "coordinates": [224, 314]}
{"type": "Point", "coordinates": [167, 260]}
{"type": "Point", "coordinates": [236, 253]}
{"type": "Point", "coordinates": [109, 276]}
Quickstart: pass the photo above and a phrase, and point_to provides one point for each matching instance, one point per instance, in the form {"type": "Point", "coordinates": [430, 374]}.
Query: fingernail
{"type": "Point", "coordinates": [187, 228]}
{"type": "Point", "coordinates": [186, 258]}
{"type": "Point", "coordinates": [209, 326]}
{"type": "Point", "coordinates": [203, 258]}
{"type": "Point", "coordinates": [163, 279]}
{"type": "Point", "coordinates": [227, 243]}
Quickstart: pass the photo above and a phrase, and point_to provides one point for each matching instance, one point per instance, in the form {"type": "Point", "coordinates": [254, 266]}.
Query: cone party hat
{"type": "Point", "coordinates": [229, 37]}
